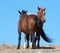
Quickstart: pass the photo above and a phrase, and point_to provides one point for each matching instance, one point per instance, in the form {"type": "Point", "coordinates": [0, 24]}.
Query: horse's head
{"type": "Point", "coordinates": [23, 12]}
{"type": "Point", "coordinates": [41, 14]}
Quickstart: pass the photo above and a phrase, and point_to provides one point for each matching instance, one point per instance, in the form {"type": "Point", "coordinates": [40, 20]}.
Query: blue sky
{"type": "Point", "coordinates": [9, 19]}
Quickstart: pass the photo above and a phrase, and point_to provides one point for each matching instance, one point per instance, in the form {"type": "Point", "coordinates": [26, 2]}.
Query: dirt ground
{"type": "Point", "coordinates": [5, 48]}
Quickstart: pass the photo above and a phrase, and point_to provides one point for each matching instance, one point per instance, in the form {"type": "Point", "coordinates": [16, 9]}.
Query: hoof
{"type": "Point", "coordinates": [38, 46]}
{"type": "Point", "coordinates": [27, 47]}
{"type": "Point", "coordinates": [18, 47]}
{"type": "Point", "coordinates": [33, 47]}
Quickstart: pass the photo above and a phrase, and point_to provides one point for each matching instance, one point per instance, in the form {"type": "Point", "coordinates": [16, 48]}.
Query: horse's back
{"type": "Point", "coordinates": [32, 15]}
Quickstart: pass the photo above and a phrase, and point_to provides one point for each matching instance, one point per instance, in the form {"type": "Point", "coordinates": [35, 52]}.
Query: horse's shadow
{"type": "Point", "coordinates": [45, 48]}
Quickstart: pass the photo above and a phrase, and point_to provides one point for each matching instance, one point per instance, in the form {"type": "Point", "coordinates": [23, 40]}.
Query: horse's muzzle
{"type": "Point", "coordinates": [44, 21]}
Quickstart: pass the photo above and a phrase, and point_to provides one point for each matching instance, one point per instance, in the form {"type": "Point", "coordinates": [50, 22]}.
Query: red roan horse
{"type": "Point", "coordinates": [29, 24]}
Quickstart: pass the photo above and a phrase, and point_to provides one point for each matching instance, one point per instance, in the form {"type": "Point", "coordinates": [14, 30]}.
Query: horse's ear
{"type": "Point", "coordinates": [38, 8]}
{"type": "Point", "coordinates": [44, 9]}
{"type": "Point", "coordinates": [19, 12]}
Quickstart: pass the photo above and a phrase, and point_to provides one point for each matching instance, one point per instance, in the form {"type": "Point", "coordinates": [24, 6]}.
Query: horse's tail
{"type": "Point", "coordinates": [41, 31]}
{"type": "Point", "coordinates": [44, 36]}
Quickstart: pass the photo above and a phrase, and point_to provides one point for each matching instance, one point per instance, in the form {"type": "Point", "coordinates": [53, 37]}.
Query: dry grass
{"type": "Point", "coordinates": [5, 48]}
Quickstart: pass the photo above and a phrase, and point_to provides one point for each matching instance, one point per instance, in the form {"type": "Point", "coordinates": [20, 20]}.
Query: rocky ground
{"type": "Point", "coordinates": [5, 48]}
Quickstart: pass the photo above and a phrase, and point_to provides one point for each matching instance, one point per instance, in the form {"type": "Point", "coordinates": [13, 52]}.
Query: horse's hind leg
{"type": "Point", "coordinates": [19, 40]}
{"type": "Point", "coordinates": [38, 39]}
{"type": "Point", "coordinates": [33, 33]}
{"type": "Point", "coordinates": [25, 41]}
{"type": "Point", "coordinates": [33, 41]}
{"type": "Point", "coordinates": [27, 37]}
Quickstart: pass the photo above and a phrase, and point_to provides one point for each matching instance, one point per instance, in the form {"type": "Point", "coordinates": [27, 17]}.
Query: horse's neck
{"type": "Point", "coordinates": [37, 15]}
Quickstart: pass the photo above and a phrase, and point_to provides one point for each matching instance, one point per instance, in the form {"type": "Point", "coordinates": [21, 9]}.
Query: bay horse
{"type": "Point", "coordinates": [29, 24]}
{"type": "Point", "coordinates": [41, 13]}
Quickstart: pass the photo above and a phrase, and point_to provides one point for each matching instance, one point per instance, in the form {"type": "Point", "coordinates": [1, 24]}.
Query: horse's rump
{"type": "Point", "coordinates": [27, 23]}
{"type": "Point", "coordinates": [32, 21]}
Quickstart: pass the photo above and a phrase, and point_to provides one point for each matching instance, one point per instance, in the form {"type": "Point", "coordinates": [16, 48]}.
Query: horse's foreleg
{"type": "Point", "coordinates": [19, 40]}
